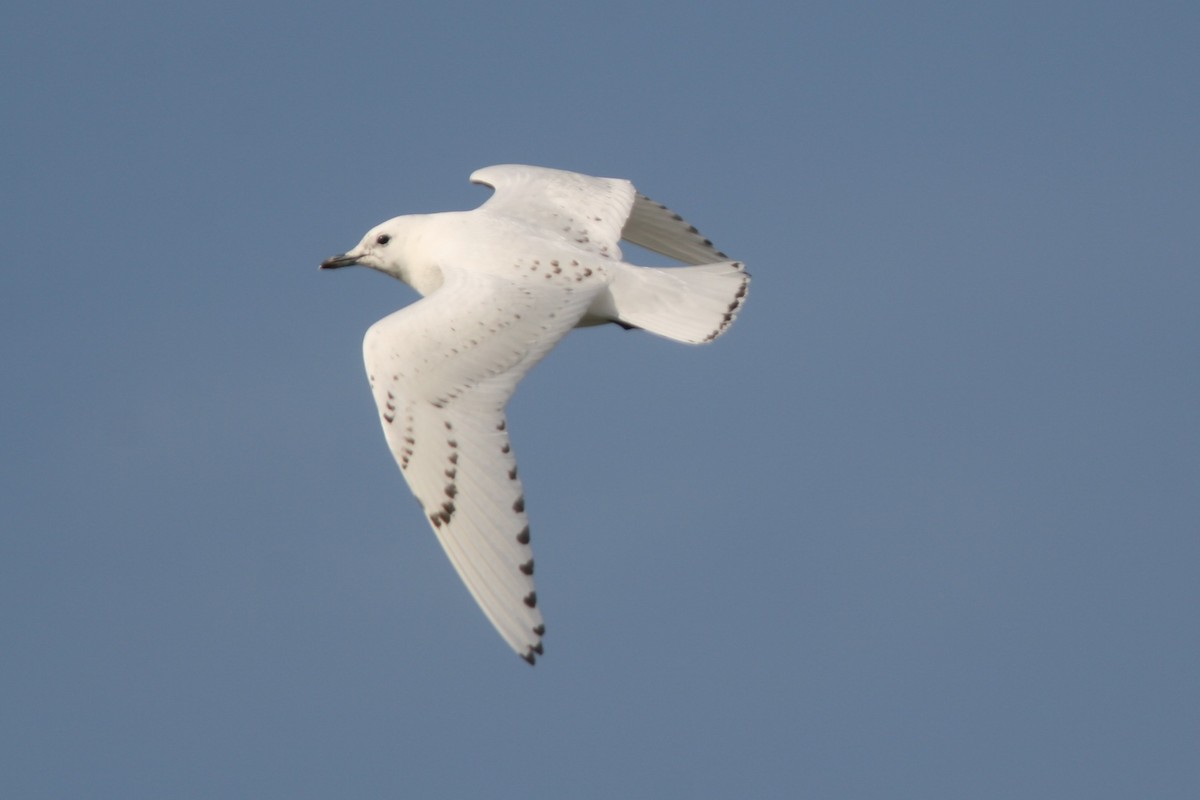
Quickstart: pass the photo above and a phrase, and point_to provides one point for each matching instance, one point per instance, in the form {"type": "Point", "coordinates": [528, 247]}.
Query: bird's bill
{"type": "Point", "coordinates": [344, 260]}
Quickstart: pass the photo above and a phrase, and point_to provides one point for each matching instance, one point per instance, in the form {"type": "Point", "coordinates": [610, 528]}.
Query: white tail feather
{"type": "Point", "coordinates": [687, 304]}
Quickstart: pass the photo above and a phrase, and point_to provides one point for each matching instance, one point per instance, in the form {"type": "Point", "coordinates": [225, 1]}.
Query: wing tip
{"type": "Point", "coordinates": [531, 654]}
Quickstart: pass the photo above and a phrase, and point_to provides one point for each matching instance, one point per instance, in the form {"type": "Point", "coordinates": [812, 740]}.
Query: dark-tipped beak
{"type": "Point", "coordinates": [344, 260]}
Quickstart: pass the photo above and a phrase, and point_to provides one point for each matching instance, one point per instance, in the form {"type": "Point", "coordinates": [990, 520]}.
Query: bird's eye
{"type": "Point", "coordinates": [383, 238]}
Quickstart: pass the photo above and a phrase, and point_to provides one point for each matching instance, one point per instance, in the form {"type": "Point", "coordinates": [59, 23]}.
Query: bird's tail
{"type": "Point", "coordinates": [688, 304]}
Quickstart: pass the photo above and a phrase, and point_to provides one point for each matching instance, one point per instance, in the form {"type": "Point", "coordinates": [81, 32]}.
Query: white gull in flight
{"type": "Point", "coordinates": [502, 284]}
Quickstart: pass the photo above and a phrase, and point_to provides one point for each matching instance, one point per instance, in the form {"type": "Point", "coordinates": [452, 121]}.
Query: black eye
{"type": "Point", "coordinates": [383, 238]}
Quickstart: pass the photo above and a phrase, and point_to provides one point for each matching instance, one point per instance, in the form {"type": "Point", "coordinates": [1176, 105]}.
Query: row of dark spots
{"type": "Point", "coordinates": [442, 516]}
{"type": "Point", "coordinates": [527, 569]}
{"type": "Point", "coordinates": [727, 318]}
{"type": "Point", "coordinates": [557, 269]}
{"type": "Point", "coordinates": [390, 404]}
{"type": "Point", "coordinates": [534, 651]}
{"type": "Point", "coordinates": [453, 394]}
{"type": "Point", "coordinates": [406, 451]}
{"type": "Point", "coordinates": [690, 228]}
{"type": "Point", "coordinates": [451, 488]}
{"type": "Point", "coordinates": [523, 538]}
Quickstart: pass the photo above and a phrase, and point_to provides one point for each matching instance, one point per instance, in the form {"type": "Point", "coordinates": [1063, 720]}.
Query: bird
{"type": "Point", "coordinates": [500, 285]}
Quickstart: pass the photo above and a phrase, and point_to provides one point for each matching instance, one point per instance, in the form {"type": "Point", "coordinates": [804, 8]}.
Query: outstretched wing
{"type": "Point", "coordinates": [584, 211]}
{"type": "Point", "coordinates": [655, 227]}
{"type": "Point", "coordinates": [441, 371]}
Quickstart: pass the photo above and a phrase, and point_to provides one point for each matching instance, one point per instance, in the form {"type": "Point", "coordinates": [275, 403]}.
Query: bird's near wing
{"type": "Point", "coordinates": [584, 211]}
{"type": "Point", "coordinates": [441, 371]}
{"type": "Point", "coordinates": [655, 227]}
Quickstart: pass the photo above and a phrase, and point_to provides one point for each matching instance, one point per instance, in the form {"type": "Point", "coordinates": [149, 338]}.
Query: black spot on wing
{"type": "Point", "coordinates": [389, 405]}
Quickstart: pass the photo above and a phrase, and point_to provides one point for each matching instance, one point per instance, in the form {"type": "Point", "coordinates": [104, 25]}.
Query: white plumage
{"type": "Point", "coordinates": [503, 284]}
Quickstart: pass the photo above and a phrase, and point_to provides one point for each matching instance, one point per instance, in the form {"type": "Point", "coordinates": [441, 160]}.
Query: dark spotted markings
{"type": "Point", "coordinates": [727, 319]}
{"type": "Point", "coordinates": [534, 651]}
{"type": "Point", "coordinates": [406, 452]}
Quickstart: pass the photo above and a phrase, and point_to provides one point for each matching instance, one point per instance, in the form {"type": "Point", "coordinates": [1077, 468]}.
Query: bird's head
{"type": "Point", "coordinates": [383, 248]}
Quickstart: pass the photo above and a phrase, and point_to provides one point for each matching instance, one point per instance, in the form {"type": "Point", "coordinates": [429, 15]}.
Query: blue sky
{"type": "Point", "coordinates": [924, 524]}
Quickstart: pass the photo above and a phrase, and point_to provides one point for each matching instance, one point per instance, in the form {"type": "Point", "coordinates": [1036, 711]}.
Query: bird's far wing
{"type": "Point", "coordinates": [441, 371]}
{"type": "Point", "coordinates": [655, 227]}
{"type": "Point", "coordinates": [588, 212]}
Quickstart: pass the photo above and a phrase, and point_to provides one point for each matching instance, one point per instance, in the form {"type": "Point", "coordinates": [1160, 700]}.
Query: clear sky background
{"type": "Point", "coordinates": [924, 524]}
